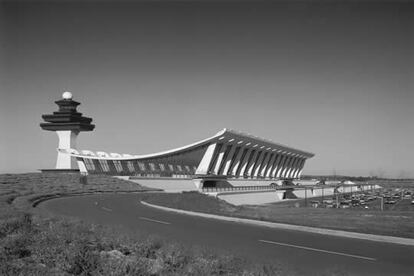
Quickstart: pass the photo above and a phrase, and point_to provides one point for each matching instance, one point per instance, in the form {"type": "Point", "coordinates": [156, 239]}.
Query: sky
{"type": "Point", "coordinates": [334, 78]}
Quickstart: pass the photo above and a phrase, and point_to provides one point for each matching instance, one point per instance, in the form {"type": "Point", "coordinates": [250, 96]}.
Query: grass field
{"type": "Point", "coordinates": [37, 244]}
{"type": "Point", "coordinates": [23, 189]}
{"type": "Point", "coordinates": [393, 222]}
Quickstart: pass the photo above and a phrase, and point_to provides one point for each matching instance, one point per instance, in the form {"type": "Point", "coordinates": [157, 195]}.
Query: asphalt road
{"type": "Point", "coordinates": [305, 253]}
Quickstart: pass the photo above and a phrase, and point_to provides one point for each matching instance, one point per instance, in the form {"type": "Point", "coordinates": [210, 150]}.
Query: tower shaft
{"type": "Point", "coordinates": [67, 140]}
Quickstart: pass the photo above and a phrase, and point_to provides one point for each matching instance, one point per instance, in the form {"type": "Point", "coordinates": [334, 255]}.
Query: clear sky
{"type": "Point", "coordinates": [331, 77]}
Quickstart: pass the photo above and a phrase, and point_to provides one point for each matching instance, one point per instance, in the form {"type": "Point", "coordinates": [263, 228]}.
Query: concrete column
{"type": "Point", "coordinates": [293, 168]}
{"type": "Point", "coordinates": [136, 167]}
{"type": "Point", "coordinates": [229, 159]}
{"type": "Point", "coordinates": [112, 168]}
{"type": "Point", "coordinates": [67, 140]}
{"type": "Point", "coordinates": [246, 161]}
{"type": "Point", "coordinates": [281, 165]}
{"type": "Point", "coordinates": [249, 170]}
{"type": "Point", "coordinates": [295, 163]}
{"type": "Point", "coordinates": [125, 167]}
{"type": "Point", "coordinates": [214, 158]}
{"type": "Point", "coordinates": [219, 159]}
{"type": "Point", "coordinates": [276, 165]}
{"type": "Point", "coordinates": [296, 167]}
{"type": "Point", "coordinates": [290, 167]}
{"type": "Point", "coordinates": [301, 167]}
{"type": "Point", "coordinates": [288, 161]}
{"type": "Point", "coordinates": [269, 166]}
{"type": "Point", "coordinates": [266, 164]}
{"type": "Point", "coordinates": [98, 166]}
{"type": "Point", "coordinates": [81, 166]}
{"type": "Point", "coordinates": [237, 161]}
{"type": "Point", "coordinates": [259, 164]}
{"type": "Point", "coordinates": [236, 157]}
{"type": "Point", "coordinates": [229, 147]}
{"type": "Point", "coordinates": [206, 160]}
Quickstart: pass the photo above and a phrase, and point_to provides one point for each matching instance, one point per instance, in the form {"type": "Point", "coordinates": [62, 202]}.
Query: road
{"type": "Point", "coordinates": [305, 253]}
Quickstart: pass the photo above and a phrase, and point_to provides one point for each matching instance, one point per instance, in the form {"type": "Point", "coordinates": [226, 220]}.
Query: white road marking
{"type": "Point", "coordinates": [106, 209]}
{"type": "Point", "coordinates": [319, 250]}
{"type": "Point", "coordinates": [154, 220]}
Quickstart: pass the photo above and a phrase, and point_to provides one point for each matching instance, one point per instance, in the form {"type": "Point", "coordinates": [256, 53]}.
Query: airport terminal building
{"type": "Point", "coordinates": [227, 155]}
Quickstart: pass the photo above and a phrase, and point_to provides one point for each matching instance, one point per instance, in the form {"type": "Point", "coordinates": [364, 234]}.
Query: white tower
{"type": "Point", "coordinates": [67, 123]}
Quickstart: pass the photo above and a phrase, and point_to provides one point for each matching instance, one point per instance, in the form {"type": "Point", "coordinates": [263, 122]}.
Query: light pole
{"type": "Point", "coordinates": [322, 194]}
{"type": "Point", "coordinates": [306, 198]}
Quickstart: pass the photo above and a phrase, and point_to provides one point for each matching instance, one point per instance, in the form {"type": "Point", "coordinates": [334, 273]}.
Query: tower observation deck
{"type": "Point", "coordinates": [67, 122]}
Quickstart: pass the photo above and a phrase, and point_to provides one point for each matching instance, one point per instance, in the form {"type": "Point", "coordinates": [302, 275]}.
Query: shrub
{"type": "Point", "coordinates": [173, 258]}
{"type": "Point", "coordinates": [148, 248]}
{"type": "Point", "coordinates": [17, 245]}
{"type": "Point", "coordinates": [85, 261]}
{"type": "Point", "coordinates": [22, 222]}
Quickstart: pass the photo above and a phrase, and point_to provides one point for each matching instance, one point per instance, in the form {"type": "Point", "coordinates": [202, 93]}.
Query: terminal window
{"type": "Point", "coordinates": [104, 165]}
{"type": "Point", "coordinates": [130, 166]}
{"type": "Point", "coordinates": [118, 165]}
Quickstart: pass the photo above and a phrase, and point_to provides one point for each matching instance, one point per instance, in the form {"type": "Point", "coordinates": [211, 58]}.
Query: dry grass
{"type": "Point", "coordinates": [390, 223]}
{"type": "Point", "coordinates": [41, 184]}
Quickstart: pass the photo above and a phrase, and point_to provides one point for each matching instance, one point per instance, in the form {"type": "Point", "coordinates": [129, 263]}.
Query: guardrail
{"type": "Point", "coordinates": [236, 188]}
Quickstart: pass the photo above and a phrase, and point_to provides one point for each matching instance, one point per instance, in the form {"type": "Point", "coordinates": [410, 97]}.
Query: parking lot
{"type": "Point", "coordinates": [398, 199]}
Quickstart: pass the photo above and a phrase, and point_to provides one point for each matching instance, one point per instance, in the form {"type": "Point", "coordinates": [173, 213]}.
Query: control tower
{"type": "Point", "coordinates": [67, 123]}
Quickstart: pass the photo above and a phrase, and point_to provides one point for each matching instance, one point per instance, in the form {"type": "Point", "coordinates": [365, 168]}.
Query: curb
{"type": "Point", "coordinates": [275, 225]}
{"type": "Point", "coordinates": [35, 200]}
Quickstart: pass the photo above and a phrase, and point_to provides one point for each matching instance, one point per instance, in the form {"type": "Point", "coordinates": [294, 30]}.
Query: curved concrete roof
{"type": "Point", "coordinates": [225, 134]}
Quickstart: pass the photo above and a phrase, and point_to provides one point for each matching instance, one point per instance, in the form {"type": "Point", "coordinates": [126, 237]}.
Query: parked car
{"type": "Point", "coordinates": [328, 201]}
{"type": "Point", "coordinates": [344, 205]}
{"type": "Point", "coordinates": [315, 204]}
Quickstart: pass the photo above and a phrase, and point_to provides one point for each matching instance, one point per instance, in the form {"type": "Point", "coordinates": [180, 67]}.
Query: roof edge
{"type": "Point", "coordinates": [190, 146]}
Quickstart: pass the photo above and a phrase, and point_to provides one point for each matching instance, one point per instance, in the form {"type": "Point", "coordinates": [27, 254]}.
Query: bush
{"type": "Point", "coordinates": [148, 248]}
{"type": "Point", "coordinates": [173, 258]}
{"type": "Point", "coordinates": [85, 261]}
{"type": "Point", "coordinates": [17, 245]}
{"type": "Point", "coordinates": [17, 235]}
{"type": "Point", "coordinates": [23, 222]}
